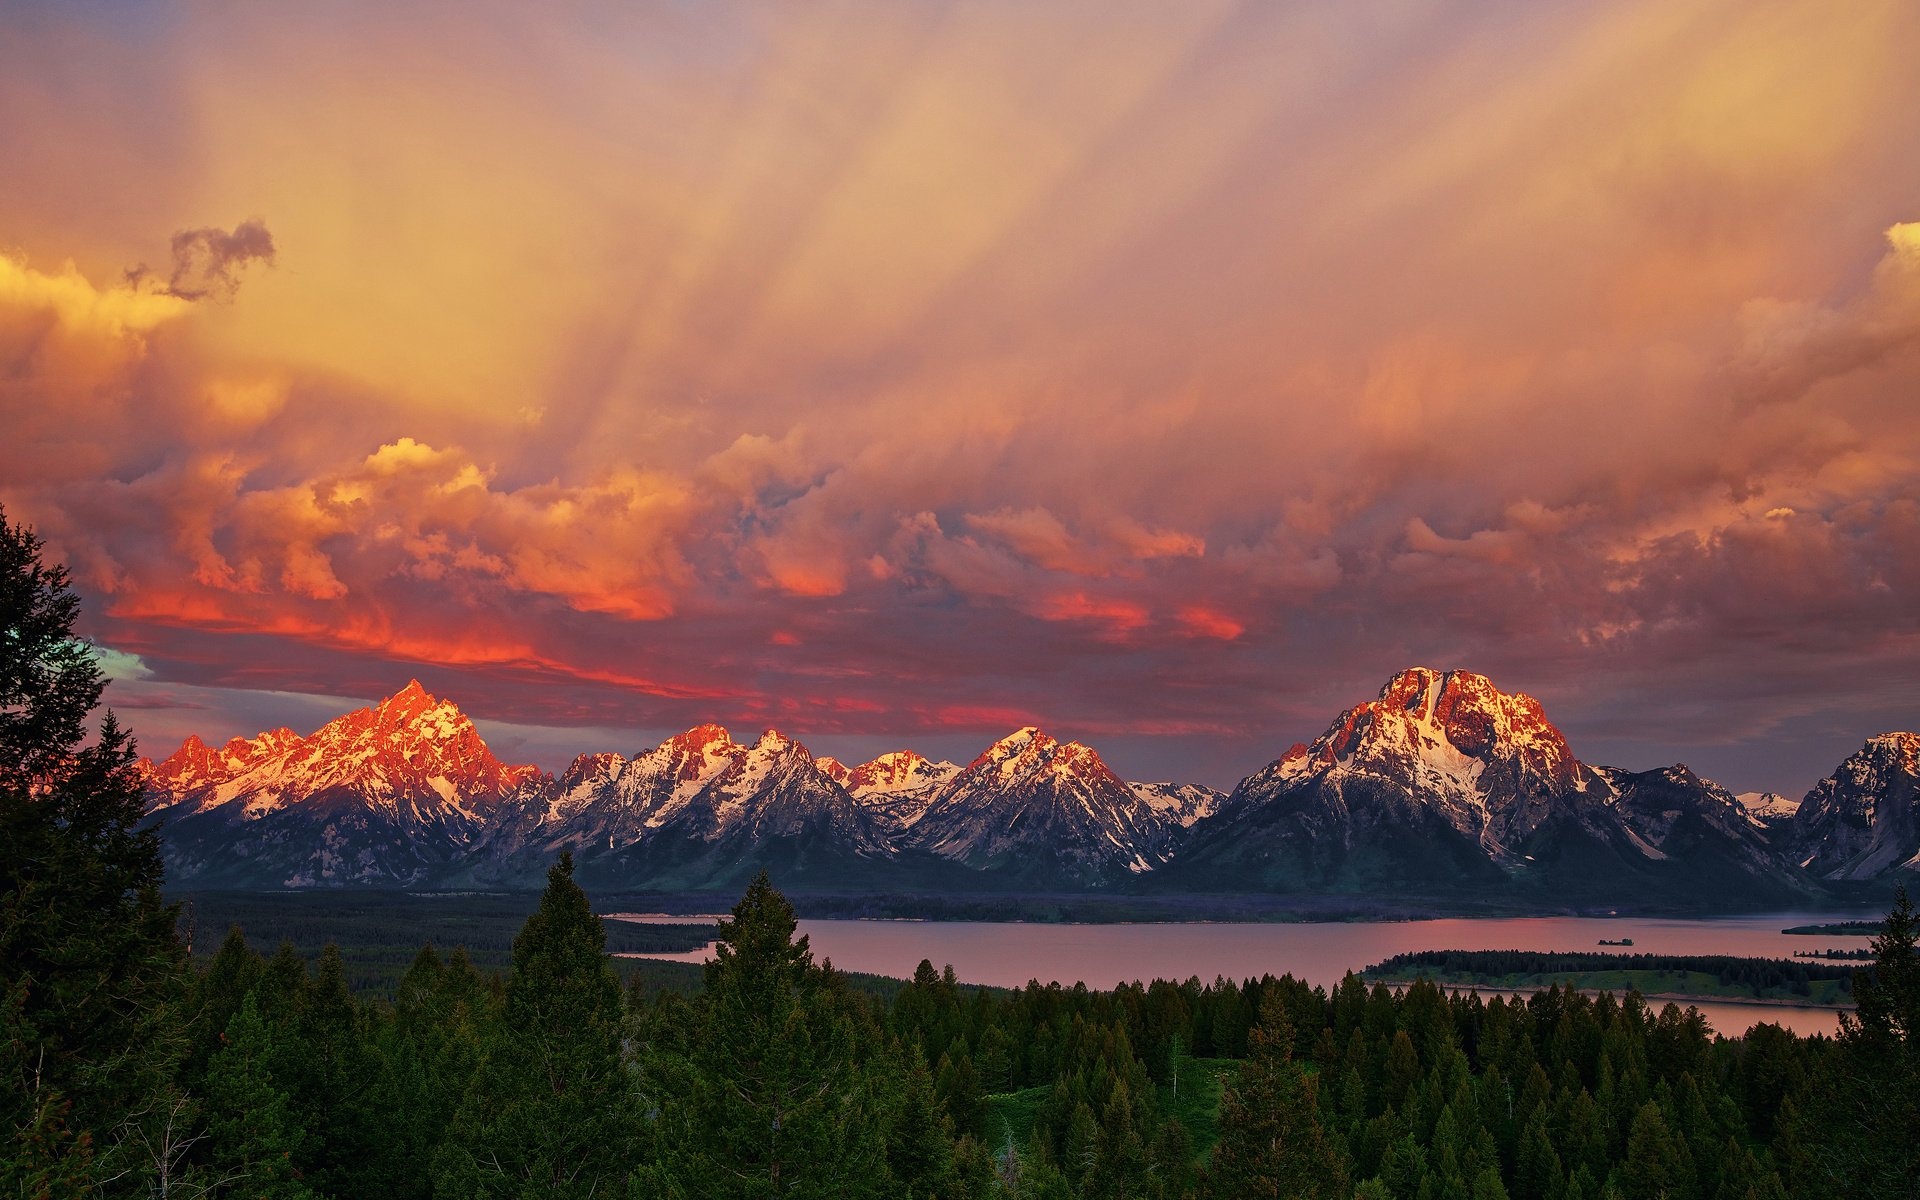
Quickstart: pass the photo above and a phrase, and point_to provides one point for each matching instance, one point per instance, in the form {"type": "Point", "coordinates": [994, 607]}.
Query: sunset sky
{"type": "Point", "coordinates": [899, 374]}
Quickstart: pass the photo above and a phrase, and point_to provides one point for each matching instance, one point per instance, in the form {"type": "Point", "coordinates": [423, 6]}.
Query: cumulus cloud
{"type": "Point", "coordinates": [78, 306]}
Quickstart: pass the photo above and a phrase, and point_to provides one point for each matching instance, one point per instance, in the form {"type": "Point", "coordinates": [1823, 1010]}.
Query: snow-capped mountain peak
{"type": "Point", "coordinates": [411, 773]}
{"type": "Point", "coordinates": [1033, 804]}
{"type": "Point", "coordinates": [896, 787]}
{"type": "Point", "coordinates": [1014, 752]}
{"type": "Point", "coordinates": [1447, 744]}
{"type": "Point", "coordinates": [1484, 759]}
{"type": "Point", "coordinates": [1182, 803]}
{"type": "Point", "coordinates": [833, 768]}
{"type": "Point", "coordinates": [1768, 806]}
{"type": "Point", "coordinates": [897, 771]}
{"type": "Point", "coordinates": [1863, 820]}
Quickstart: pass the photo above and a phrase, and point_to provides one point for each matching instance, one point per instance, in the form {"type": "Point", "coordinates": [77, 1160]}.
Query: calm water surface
{"type": "Point", "coordinates": [1008, 954]}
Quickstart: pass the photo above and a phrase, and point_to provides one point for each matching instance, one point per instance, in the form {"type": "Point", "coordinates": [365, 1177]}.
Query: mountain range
{"type": "Point", "coordinates": [1440, 787]}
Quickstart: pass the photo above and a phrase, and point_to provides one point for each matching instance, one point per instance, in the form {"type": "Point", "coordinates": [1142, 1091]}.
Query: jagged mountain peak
{"type": "Point", "coordinates": [699, 739]}
{"type": "Point", "coordinates": [1902, 747]}
{"type": "Point", "coordinates": [388, 793]}
{"type": "Point", "coordinates": [1025, 740]}
{"type": "Point", "coordinates": [774, 741]}
{"type": "Point", "coordinates": [1446, 779]}
{"type": "Point", "coordinates": [833, 768]}
{"type": "Point", "coordinates": [1768, 806]}
{"type": "Point", "coordinates": [1049, 809]}
{"type": "Point", "coordinates": [1450, 727]}
{"type": "Point", "coordinates": [195, 764]}
{"type": "Point", "coordinates": [1863, 821]}
{"type": "Point", "coordinates": [589, 768]}
{"type": "Point", "coordinates": [406, 704]}
{"type": "Point", "coordinates": [1029, 751]}
{"type": "Point", "coordinates": [411, 750]}
{"type": "Point", "coordinates": [896, 787]}
{"type": "Point", "coordinates": [894, 770]}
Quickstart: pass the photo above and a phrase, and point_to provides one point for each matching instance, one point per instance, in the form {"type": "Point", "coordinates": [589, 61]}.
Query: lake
{"type": "Point", "coordinates": [1009, 954]}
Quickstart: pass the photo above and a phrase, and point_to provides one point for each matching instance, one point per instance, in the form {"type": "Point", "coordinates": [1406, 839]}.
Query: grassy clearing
{"type": "Point", "coordinates": [1195, 1103]}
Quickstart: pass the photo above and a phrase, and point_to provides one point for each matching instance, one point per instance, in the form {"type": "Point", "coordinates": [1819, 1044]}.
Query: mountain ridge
{"type": "Point", "coordinates": [1440, 782]}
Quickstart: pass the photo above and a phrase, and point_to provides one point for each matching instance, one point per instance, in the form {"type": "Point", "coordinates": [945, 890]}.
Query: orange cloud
{"type": "Point", "coordinates": [1201, 621]}
{"type": "Point", "coordinates": [1004, 353]}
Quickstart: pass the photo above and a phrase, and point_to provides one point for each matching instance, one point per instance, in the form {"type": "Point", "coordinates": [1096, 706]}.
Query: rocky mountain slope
{"type": "Point", "coordinates": [698, 810]}
{"type": "Point", "coordinates": [896, 787]}
{"type": "Point", "coordinates": [1863, 821]}
{"type": "Point", "coordinates": [1445, 784]}
{"type": "Point", "coordinates": [1035, 811]}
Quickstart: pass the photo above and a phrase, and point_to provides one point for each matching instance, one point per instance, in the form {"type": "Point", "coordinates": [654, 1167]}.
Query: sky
{"type": "Point", "coordinates": [899, 374]}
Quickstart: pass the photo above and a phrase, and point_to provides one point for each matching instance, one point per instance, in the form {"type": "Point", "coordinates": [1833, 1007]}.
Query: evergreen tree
{"type": "Point", "coordinates": [1271, 1142]}
{"type": "Point", "coordinates": [335, 1109]}
{"type": "Point", "coordinates": [1120, 1160]}
{"type": "Point", "coordinates": [1656, 1166]}
{"type": "Point", "coordinates": [90, 969]}
{"type": "Point", "coordinates": [427, 1051]}
{"type": "Point", "coordinates": [920, 1140]}
{"type": "Point", "coordinates": [1082, 1146]}
{"type": "Point", "coordinates": [771, 1097]}
{"type": "Point", "coordinates": [216, 995]}
{"type": "Point", "coordinates": [1872, 1106]}
{"type": "Point", "coordinates": [959, 1089]}
{"type": "Point", "coordinates": [1170, 1161]}
{"type": "Point", "coordinates": [1537, 1174]}
{"type": "Point", "coordinates": [254, 1130]}
{"type": "Point", "coordinates": [549, 1112]}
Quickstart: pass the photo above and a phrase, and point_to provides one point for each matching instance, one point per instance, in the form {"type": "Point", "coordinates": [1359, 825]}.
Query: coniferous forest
{"type": "Point", "coordinates": [130, 1072]}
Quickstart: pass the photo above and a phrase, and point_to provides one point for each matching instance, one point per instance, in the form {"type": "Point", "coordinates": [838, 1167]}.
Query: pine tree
{"type": "Point", "coordinates": [1120, 1161]}
{"type": "Point", "coordinates": [427, 1053]}
{"type": "Point", "coordinates": [90, 968]}
{"type": "Point", "coordinates": [958, 1086]}
{"type": "Point", "coordinates": [1537, 1174]}
{"type": "Point", "coordinates": [920, 1138]}
{"type": "Point", "coordinates": [1271, 1142]}
{"type": "Point", "coordinates": [254, 1131]}
{"type": "Point", "coordinates": [216, 994]}
{"type": "Point", "coordinates": [1170, 1161]}
{"type": "Point", "coordinates": [336, 1111]}
{"type": "Point", "coordinates": [1082, 1146]}
{"type": "Point", "coordinates": [1656, 1166]}
{"type": "Point", "coordinates": [550, 1110]}
{"type": "Point", "coordinates": [772, 1097]}
{"type": "Point", "coordinates": [1872, 1108]}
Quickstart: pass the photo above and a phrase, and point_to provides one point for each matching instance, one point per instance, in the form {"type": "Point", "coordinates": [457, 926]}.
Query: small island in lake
{"type": "Point", "coordinates": [1618, 942]}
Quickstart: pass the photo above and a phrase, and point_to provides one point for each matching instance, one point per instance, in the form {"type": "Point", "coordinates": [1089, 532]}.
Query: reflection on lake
{"type": "Point", "coordinates": [1008, 954]}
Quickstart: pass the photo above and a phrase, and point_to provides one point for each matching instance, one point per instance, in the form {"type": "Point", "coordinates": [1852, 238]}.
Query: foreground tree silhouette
{"type": "Point", "coordinates": [770, 1098]}
{"type": "Point", "coordinates": [549, 1112]}
{"type": "Point", "coordinates": [88, 958]}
